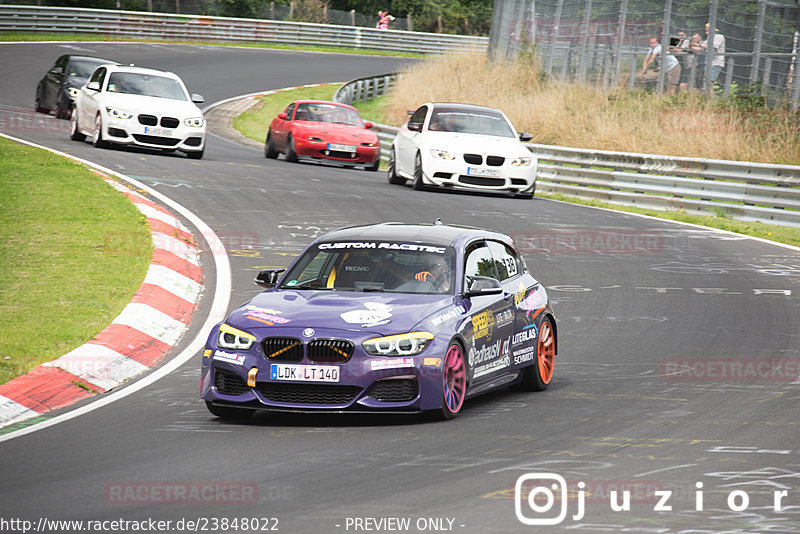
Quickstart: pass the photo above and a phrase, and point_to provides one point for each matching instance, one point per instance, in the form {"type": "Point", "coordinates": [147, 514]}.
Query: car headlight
{"type": "Point", "coordinates": [72, 92]}
{"type": "Point", "coordinates": [116, 113]}
{"type": "Point", "coordinates": [194, 122]}
{"type": "Point", "coordinates": [409, 344]}
{"type": "Point", "coordinates": [442, 154]}
{"type": "Point", "coordinates": [521, 162]}
{"type": "Point", "coordinates": [233, 338]}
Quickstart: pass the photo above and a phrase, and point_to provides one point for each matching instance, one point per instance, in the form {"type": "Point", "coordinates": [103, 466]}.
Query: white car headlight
{"type": "Point", "coordinates": [521, 162]}
{"type": "Point", "coordinates": [233, 338]}
{"type": "Point", "coordinates": [116, 113]}
{"type": "Point", "coordinates": [442, 154]}
{"type": "Point", "coordinates": [409, 344]}
{"type": "Point", "coordinates": [194, 122]}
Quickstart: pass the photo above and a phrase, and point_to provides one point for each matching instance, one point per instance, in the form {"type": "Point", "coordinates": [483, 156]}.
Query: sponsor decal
{"type": "Point", "coordinates": [529, 333]}
{"type": "Point", "coordinates": [492, 366]}
{"type": "Point", "coordinates": [537, 298]}
{"type": "Point", "coordinates": [375, 314]}
{"type": "Point", "coordinates": [482, 324]}
{"type": "Point", "coordinates": [435, 362]}
{"type": "Point", "coordinates": [449, 314]}
{"type": "Point", "coordinates": [393, 363]}
{"type": "Point", "coordinates": [264, 315]}
{"type": "Point", "coordinates": [504, 317]}
{"type": "Point", "coordinates": [387, 246]}
{"type": "Point", "coordinates": [524, 355]}
{"type": "Point", "coordinates": [230, 357]}
{"type": "Point", "coordinates": [489, 353]}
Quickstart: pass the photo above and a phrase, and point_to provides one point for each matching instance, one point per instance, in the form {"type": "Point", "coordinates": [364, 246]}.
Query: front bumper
{"type": "Point", "coordinates": [131, 132]}
{"type": "Point", "coordinates": [363, 155]}
{"type": "Point", "coordinates": [456, 174]}
{"type": "Point", "coordinates": [366, 383]}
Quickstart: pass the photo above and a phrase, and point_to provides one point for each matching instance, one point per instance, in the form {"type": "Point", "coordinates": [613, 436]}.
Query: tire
{"type": "Point", "coordinates": [528, 194]}
{"type": "Point", "coordinates": [291, 155]}
{"type": "Point", "coordinates": [269, 149]}
{"type": "Point", "coordinates": [454, 382]}
{"type": "Point", "coordinates": [391, 172]}
{"type": "Point", "coordinates": [374, 167]}
{"type": "Point", "coordinates": [226, 412]}
{"type": "Point", "coordinates": [417, 183]}
{"type": "Point", "coordinates": [197, 154]}
{"type": "Point", "coordinates": [97, 137]}
{"type": "Point", "coordinates": [537, 376]}
{"type": "Point", "coordinates": [74, 132]}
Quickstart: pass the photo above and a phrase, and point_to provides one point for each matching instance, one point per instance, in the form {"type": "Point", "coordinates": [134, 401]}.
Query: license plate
{"type": "Point", "coordinates": [304, 373]}
{"type": "Point", "coordinates": [341, 148]}
{"type": "Point", "coordinates": [478, 171]}
{"type": "Point", "coordinates": [150, 130]}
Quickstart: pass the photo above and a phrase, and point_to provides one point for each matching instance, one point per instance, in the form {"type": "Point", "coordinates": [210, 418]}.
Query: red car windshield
{"type": "Point", "coordinates": [327, 113]}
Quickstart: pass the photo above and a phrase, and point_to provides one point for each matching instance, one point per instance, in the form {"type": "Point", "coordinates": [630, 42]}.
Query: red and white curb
{"type": "Point", "coordinates": [145, 330]}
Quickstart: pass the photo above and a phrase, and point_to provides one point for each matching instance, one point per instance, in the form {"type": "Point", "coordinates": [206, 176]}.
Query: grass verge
{"type": "Point", "coordinates": [73, 251]}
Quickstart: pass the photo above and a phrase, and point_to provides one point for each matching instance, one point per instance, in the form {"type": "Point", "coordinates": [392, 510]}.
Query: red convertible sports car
{"type": "Point", "coordinates": [314, 129]}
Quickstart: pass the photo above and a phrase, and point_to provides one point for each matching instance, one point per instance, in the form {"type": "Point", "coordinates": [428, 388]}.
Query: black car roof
{"type": "Point", "coordinates": [91, 59]}
{"type": "Point", "coordinates": [435, 234]}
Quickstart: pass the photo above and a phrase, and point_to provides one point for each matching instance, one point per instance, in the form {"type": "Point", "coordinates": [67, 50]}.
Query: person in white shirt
{"type": "Point", "coordinates": [672, 69]}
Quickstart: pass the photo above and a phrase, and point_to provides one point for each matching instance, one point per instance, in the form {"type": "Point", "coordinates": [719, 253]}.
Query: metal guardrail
{"type": "Point", "coordinates": [739, 190]}
{"type": "Point", "coordinates": [364, 89]}
{"type": "Point", "coordinates": [164, 26]}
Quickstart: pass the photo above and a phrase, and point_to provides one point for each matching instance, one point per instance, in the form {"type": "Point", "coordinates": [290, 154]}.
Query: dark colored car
{"type": "Point", "coordinates": [390, 317]}
{"type": "Point", "coordinates": [321, 130]}
{"type": "Point", "coordinates": [57, 90]}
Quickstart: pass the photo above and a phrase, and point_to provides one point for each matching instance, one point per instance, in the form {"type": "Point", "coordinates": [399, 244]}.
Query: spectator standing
{"type": "Point", "coordinates": [693, 62]}
{"type": "Point", "coordinates": [680, 50]}
{"type": "Point", "coordinates": [384, 18]}
{"type": "Point", "coordinates": [672, 69]}
{"type": "Point", "coordinates": [718, 58]}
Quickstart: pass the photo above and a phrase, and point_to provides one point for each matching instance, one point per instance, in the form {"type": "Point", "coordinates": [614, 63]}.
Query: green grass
{"type": "Point", "coordinates": [781, 234]}
{"type": "Point", "coordinates": [23, 36]}
{"type": "Point", "coordinates": [254, 124]}
{"type": "Point", "coordinates": [73, 251]}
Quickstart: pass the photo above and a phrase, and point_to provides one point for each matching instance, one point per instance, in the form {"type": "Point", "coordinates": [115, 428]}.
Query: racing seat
{"type": "Point", "coordinates": [355, 267]}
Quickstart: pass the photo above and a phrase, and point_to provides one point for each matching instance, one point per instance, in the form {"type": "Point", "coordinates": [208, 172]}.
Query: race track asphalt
{"type": "Point", "coordinates": [636, 299]}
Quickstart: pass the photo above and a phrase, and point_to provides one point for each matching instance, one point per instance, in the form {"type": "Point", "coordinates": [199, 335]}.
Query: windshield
{"type": "Point", "coordinates": [327, 113]}
{"type": "Point", "coordinates": [82, 68]}
{"type": "Point", "coordinates": [374, 266]}
{"type": "Point", "coordinates": [470, 121]}
{"type": "Point", "coordinates": [145, 84]}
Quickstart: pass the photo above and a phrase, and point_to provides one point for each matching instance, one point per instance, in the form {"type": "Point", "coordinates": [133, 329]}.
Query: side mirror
{"type": "Point", "coordinates": [93, 86]}
{"type": "Point", "coordinates": [57, 71]}
{"type": "Point", "coordinates": [197, 99]}
{"type": "Point", "coordinates": [525, 136]}
{"type": "Point", "coordinates": [268, 278]}
{"type": "Point", "coordinates": [415, 126]}
{"type": "Point", "coordinates": [483, 285]}
{"type": "Point", "coordinates": [283, 116]}
{"type": "Point", "coordinates": [368, 125]}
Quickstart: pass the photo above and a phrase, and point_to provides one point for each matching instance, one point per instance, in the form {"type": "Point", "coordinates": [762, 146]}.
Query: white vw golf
{"type": "Point", "coordinates": [462, 146]}
{"type": "Point", "coordinates": [129, 105]}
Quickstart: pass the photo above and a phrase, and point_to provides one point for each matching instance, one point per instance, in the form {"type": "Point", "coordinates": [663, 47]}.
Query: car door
{"type": "Point", "coordinates": [407, 141]}
{"type": "Point", "coordinates": [528, 298]}
{"type": "Point", "coordinates": [52, 83]}
{"type": "Point", "coordinates": [492, 318]}
{"type": "Point", "coordinates": [89, 99]}
{"type": "Point", "coordinates": [280, 128]}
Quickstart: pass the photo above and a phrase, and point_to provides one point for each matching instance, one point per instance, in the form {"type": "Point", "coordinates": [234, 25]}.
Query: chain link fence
{"type": "Point", "coordinates": [605, 41]}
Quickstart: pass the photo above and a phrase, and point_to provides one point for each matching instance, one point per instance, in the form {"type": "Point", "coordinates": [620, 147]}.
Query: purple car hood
{"type": "Point", "coordinates": [381, 313]}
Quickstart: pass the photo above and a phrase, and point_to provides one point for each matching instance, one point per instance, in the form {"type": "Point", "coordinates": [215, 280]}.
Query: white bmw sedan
{"type": "Point", "coordinates": [462, 146]}
{"type": "Point", "coordinates": [129, 105]}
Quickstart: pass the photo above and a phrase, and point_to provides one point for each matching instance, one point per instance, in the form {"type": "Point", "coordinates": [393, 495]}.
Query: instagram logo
{"type": "Point", "coordinates": [536, 495]}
